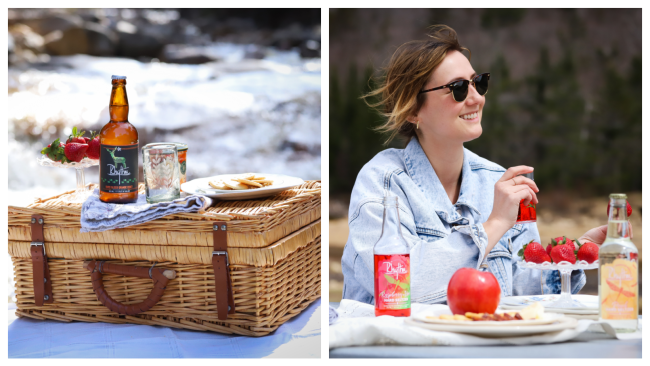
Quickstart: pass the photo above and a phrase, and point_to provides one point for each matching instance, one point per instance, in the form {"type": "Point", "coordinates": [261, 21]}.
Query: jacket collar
{"type": "Point", "coordinates": [421, 172]}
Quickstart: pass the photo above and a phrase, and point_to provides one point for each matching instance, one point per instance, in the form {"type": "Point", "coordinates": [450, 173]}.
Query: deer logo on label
{"type": "Point", "coordinates": [117, 159]}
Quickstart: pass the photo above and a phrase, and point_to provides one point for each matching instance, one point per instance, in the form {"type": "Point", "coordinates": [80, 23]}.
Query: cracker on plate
{"type": "Point", "coordinates": [241, 182]}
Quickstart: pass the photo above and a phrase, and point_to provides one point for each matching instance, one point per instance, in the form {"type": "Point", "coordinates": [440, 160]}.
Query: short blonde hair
{"type": "Point", "coordinates": [407, 73]}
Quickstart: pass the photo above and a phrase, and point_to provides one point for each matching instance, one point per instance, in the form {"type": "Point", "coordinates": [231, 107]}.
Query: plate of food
{"type": "Point", "coordinates": [241, 186]}
{"type": "Point", "coordinates": [530, 320]}
{"type": "Point", "coordinates": [504, 331]}
{"type": "Point", "coordinates": [531, 315]}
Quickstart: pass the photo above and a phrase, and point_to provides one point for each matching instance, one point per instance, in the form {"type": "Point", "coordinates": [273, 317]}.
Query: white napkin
{"type": "Point", "coordinates": [100, 216]}
{"type": "Point", "coordinates": [358, 326]}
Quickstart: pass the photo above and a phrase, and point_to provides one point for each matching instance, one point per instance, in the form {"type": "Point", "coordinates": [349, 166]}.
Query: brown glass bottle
{"type": "Point", "coordinates": [118, 167]}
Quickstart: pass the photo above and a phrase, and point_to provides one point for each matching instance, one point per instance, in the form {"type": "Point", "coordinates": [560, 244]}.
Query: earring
{"type": "Point", "coordinates": [418, 125]}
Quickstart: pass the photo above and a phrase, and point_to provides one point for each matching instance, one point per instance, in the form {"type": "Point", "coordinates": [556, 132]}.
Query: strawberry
{"type": "Point", "coordinates": [76, 136]}
{"type": "Point", "coordinates": [534, 252]}
{"type": "Point", "coordinates": [56, 153]}
{"type": "Point", "coordinates": [60, 144]}
{"type": "Point", "coordinates": [93, 146]}
{"type": "Point", "coordinates": [563, 252]}
{"type": "Point", "coordinates": [587, 252]}
{"type": "Point", "coordinates": [75, 151]}
{"type": "Point", "coordinates": [629, 209]}
{"type": "Point", "coordinates": [564, 240]}
{"type": "Point", "coordinates": [560, 240]}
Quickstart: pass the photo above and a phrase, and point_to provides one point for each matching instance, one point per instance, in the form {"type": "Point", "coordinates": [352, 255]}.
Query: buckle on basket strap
{"type": "Point", "coordinates": [222, 281]}
{"type": "Point", "coordinates": [37, 243]}
{"type": "Point", "coordinates": [40, 269]}
{"type": "Point", "coordinates": [222, 253]}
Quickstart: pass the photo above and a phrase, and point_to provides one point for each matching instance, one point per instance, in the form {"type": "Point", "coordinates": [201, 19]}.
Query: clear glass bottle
{"type": "Point", "coordinates": [392, 265]}
{"type": "Point", "coordinates": [618, 271]}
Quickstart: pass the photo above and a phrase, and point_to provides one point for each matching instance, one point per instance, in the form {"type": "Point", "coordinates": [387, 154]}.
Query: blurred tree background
{"type": "Point", "coordinates": [565, 93]}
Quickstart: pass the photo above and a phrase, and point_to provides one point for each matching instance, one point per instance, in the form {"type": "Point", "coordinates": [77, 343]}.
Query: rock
{"type": "Point", "coordinates": [310, 49]}
{"type": "Point", "coordinates": [10, 44]}
{"type": "Point", "coordinates": [68, 42]}
{"type": "Point", "coordinates": [161, 32]}
{"type": "Point", "coordinates": [101, 40]}
{"type": "Point", "coordinates": [290, 37]}
{"type": "Point", "coordinates": [179, 54]}
{"type": "Point", "coordinates": [91, 39]}
{"type": "Point", "coordinates": [54, 22]}
{"type": "Point", "coordinates": [126, 27]}
{"type": "Point", "coordinates": [194, 59]}
{"type": "Point", "coordinates": [134, 43]}
{"type": "Point", "coordinates": [254, 52]}
{"type": "Point", "coordinates": [24, 38]}
{"type": "Point", "coordinates": [226, 27]}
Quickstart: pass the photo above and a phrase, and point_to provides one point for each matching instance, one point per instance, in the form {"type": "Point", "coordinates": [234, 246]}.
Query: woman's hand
{"type": "Point", "coordinates": [509, 190]}
{"type": "Point", "coordinates": [598, 234]}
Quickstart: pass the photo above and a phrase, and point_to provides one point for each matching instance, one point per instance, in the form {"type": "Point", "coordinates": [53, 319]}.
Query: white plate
{"type": "Point", "coordinates": [425, 317]}
{"type": "Point", "coordinates": [499, 331]}
{"type": "Point", "coordinates": [280, 183]}
{"type": "Point", "coordinates": [554, 310]}
{"type": "Point", "coordinates": [585, 304]}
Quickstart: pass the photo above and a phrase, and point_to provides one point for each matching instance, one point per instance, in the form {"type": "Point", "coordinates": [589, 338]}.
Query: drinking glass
{"type": "Point", "coordinates": [161, 172]}
{"type": "Point", "coordinates": [527, 213]}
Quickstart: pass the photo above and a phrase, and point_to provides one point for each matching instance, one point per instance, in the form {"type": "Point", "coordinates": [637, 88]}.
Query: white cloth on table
{"type": "Point", "coordinates": [358, 326]}
{"type": "Point", "coordinates": [333, 315]}
{"type": "Point", "coordinates": [101, 216]}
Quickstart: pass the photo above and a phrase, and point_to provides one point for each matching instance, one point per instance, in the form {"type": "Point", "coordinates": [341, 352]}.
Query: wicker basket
{"type": "Point", "coordinates": [273, 249]}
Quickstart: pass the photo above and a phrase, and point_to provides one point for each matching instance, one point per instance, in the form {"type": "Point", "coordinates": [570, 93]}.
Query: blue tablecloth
{"type": "Point", "coordinates": [31, 338]}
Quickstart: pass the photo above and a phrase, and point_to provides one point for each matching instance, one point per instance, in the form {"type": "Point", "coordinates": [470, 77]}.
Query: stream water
{"type": "Point", "coordinates": [237, 115]}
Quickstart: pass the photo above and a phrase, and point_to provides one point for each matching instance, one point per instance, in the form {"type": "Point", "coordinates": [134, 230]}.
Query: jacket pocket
{"type": "Point", "coordinates": [430, 235]}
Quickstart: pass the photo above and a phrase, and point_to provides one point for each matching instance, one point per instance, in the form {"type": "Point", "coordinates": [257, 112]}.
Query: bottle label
{"type": "Point", "coordinates": [618, 284]}
{"type": "Point", "coordinates": [118, 168]}
{"type": "Point", "coordinates": [393, 282]}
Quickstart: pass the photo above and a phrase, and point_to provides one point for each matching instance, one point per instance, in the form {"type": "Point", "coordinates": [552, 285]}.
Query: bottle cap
{"type": "Point", "coordinates": [118, 77]}
{"type": "Point", "coordinates": [618, 196]}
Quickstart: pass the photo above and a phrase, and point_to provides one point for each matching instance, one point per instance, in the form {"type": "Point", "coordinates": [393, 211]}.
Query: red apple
{"type": "Point", "coordinates": [474, 291]}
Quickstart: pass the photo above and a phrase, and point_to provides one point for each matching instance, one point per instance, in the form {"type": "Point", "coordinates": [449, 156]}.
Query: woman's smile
{"type": "Point", "coordinates": [470, 117]}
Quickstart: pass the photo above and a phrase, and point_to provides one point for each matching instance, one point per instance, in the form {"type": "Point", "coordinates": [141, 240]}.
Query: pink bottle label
{"type": "Point", "coordinates": [392, 281]}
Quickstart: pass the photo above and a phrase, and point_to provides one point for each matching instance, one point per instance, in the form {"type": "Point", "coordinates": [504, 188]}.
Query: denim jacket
{"type": "Point", "coordinates": [442, 236]}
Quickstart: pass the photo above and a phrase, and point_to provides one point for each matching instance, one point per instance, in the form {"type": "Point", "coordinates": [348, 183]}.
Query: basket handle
{"type": "Point", "coordinates": [159, 276]}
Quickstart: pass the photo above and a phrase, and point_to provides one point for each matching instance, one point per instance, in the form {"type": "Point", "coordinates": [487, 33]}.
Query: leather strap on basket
{"type": "Point", "coordinates": [156, 274]}
{"type": "Point", "coordinates": [40, 269]}
{"type": "Point", "coordinates": [220, 264]}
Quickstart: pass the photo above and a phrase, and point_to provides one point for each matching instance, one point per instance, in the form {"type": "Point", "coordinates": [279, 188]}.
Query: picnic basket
{"type": "Point", "coordinates": [241, 267]}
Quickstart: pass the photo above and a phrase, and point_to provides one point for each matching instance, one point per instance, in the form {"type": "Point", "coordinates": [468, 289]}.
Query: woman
{"type": "Point", "coordinates": [456, 208]}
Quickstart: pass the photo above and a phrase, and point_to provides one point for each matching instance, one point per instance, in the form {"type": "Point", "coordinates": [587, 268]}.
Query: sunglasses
{"type": "Point", "coordinates": [460, 88]}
